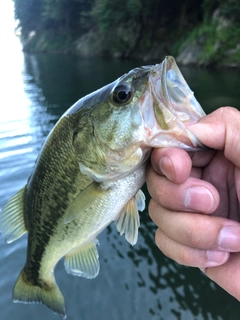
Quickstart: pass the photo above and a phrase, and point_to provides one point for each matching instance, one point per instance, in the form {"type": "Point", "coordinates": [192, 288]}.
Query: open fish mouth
{"type": "Point", "coordinates": [175, 106]}
{"type": "Point", "coordinates": [178, 93]}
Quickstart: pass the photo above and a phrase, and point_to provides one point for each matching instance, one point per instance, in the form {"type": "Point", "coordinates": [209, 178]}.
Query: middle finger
{"type": "Point", "coordinates": [197, 230]}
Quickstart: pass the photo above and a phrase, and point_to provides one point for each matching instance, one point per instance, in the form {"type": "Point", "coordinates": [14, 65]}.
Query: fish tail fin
{"type": "Point", "coordinates": [46, 292]}
{"type": "Point", "coordinates": [12, 222]}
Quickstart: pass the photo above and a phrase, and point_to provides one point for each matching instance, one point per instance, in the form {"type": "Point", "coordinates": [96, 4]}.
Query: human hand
{"type": "Point", "coordinates": [195, 201]}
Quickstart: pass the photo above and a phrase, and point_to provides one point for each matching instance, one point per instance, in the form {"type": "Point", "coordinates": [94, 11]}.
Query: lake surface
{"type": "Point", "coordinates": [137, 283]}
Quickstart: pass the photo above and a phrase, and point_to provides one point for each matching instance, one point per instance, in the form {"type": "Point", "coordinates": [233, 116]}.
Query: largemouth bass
{"type": "Point", "coordinates": [90, 171]}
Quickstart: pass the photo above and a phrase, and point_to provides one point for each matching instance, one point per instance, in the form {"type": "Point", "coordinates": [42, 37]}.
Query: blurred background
{"type": "Point", "coordinates": [72, 48]}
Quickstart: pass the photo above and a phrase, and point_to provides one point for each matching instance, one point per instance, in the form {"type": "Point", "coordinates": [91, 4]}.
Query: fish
{"type": "Point", "coordinates": [90, 171]}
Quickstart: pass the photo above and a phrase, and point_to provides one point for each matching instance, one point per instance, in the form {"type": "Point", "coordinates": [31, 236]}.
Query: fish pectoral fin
{"type": "Point", "coordinates": [84, 261]}
{"type": "Point", "coordinates": [83, 201]}
{"type": "Point", "coordinates": [12, 222]}
{"type": "Point", "coordinates": [128, 221]}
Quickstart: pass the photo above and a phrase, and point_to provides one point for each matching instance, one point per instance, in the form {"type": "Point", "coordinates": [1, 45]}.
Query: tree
{"type": "Point", "coordinates": [28, 12]}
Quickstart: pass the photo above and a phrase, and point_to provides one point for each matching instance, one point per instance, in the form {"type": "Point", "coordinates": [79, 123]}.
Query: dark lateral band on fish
{"type": "Point", "coordinates": [90, 171]}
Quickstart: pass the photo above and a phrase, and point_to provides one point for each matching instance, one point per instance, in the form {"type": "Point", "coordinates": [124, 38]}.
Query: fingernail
{"type": "Point", "coordinates": [166, 166]}
{"type": "Point", "coordinates": [229, 238]}
{"type": "Point", "coordinates": [216, 257]}
{"type": "Point", "coordinates": [199, 198]}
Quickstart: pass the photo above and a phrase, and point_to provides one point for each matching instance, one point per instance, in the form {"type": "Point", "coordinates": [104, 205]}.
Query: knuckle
{"type": "Point", "coordinates": [181, 254]}
{"type": "Point", "coordinates": [159, 194]}
{"type": "Point", "coordinates": [158, 239]}
{"type": "Point", "coordinates": [202, 232]}
{"type": "Point", "coordinates": [227, 112]}
{"type": "Point", "coordinates": [177, 253]}
{"type": "Point", "coordinates": [162, 242]}
{"type": "Point", "coordinates": [194, 235]}
{"type": "Point", "coordinates": [153, 209]}
{"type": "Point", "coordinates": [184, 258]}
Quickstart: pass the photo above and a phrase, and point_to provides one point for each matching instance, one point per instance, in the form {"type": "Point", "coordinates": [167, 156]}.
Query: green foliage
{"type": "Point", "coordinates": [66, 15]}
{"type": "Point", "coordinates": [216, 41]}
{"type": "Point", "coordinates": [124, 26]}
{"type": "Point", "coordinates": [50, 41]}
{"type": "Point", "coordinates": [149, 13]}
{"type": "Point", "coordinates": [229, 37]}
{"type": "Point", "coordinates": [55, 10]}
{"type": "Point", "coordinates": [208, 36]}
{"type": "Point", "coordinates": [63, 16]}
{"type": "Point", "coordinates": [229, 9]}
{"type": "Point", "coordinates": [108, 13]}
{"type": "Point", "coordinates": [208, 7]}
{"type": "Point", "coordinates": [72, 15]}
{"type": "Point", "coordinates": [28, 12]}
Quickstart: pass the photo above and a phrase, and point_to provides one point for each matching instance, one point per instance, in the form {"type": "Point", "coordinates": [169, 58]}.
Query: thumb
{"type": "Point", "coordinates": [220, 130]}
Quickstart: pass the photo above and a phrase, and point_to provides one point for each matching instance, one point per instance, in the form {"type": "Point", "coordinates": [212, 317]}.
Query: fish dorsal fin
{"type": "Point", "coordinates": [84, 261]}
{"type": "Point", "coordinates": [128, 221]}
{"type": "Point", "coordinates": [12, 223]}
{"type": "Point", "coordinates": [140, 198]}
{"type": "Point", "coordinates": [83, 201]}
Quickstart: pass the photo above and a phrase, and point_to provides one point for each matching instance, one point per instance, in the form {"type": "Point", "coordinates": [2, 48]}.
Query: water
{"type": "Point", "coordinates": [134, 282]}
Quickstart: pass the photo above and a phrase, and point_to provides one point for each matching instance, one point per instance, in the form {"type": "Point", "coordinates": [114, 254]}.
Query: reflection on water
{"type": "Point", "coordinates": [134, 283]}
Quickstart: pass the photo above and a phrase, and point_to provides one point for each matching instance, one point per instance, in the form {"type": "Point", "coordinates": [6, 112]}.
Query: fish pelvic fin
{"type": "Point", "coordinates": [128, 220]}
{"type": "Point", "coordinates": [46, 292]}
{"type": "Point", "coordinates": [12, 224]}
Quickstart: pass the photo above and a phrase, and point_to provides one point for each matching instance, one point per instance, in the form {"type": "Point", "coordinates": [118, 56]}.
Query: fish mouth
{"type": "Point", "coordinates": [175, 106]}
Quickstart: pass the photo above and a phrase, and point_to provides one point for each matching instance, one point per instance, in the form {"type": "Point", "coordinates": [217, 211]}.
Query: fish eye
{"type": "Point", "coordinates": [122, 94]}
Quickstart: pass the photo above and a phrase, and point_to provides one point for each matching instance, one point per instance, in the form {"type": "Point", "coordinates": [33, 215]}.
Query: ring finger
{"type": "Point", "coordinates": [189, 256]}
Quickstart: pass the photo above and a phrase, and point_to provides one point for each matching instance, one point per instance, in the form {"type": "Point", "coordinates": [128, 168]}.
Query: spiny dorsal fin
{"type": "Point", "coordinates": [128, 221]}
{"type": "Point", "coordinates": [84, 261]}
{"type": "Point", "coordinates": [83, 201]}
{"type": "Point", "coordinates": [12, 223]}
